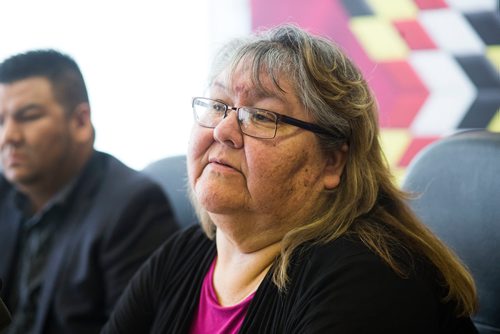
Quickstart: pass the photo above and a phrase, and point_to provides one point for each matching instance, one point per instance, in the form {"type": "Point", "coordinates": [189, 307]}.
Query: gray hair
{"type": "Point", "coordinates": [366, 203]}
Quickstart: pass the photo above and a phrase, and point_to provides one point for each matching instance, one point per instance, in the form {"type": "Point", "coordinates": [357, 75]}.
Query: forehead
{"type": "Point", "coordinates": [30, 90]}
{"type": "Point", "coordinates": [244, 81]}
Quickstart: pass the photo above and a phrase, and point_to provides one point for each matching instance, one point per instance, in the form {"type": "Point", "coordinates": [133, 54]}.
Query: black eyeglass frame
{"type": "Point", "coordinates": [279, 118]}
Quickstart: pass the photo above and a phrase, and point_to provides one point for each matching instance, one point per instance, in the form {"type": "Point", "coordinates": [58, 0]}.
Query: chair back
{"type": "Point", "coordinates": [456, 183]}
{"type": "Point", "coordinates": [171, 174]}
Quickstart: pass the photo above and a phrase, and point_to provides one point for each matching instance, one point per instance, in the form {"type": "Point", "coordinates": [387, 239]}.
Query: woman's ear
{"type": "Point", "coordinates": [335, 163]}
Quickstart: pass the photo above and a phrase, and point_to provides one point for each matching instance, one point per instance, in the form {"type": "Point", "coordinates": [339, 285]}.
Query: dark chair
{"type": "Point", "coordinates": [171, 174]}
{"type": "Point", "coordinates": [456, 181]}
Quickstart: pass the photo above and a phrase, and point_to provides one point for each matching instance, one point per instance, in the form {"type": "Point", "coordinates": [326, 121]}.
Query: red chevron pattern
{"type": "Point", "coordinates": [433, 64]}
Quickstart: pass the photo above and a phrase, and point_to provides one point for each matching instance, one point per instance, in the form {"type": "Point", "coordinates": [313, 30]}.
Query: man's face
{"type": "Point", "coordinates": [35, 133]}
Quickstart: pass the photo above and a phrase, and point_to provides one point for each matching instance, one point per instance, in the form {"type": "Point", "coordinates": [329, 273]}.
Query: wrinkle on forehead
{"type": "Point", "coordinates": [242, 82]}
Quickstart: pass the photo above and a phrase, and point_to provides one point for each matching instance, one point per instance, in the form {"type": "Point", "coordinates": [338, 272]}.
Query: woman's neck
{"type": "Point", "coordinates": [238, 273]}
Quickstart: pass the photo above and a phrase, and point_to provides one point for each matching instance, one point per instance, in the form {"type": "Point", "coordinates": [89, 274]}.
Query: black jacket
{"type": "Point", "coordinates": [116, 218]}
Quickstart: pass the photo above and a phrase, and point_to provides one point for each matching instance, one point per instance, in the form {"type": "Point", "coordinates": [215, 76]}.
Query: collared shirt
{"type": "Point", "coordinates": [38, 233]}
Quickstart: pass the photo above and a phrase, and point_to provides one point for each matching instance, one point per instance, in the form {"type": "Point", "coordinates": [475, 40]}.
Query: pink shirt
{"type": "Point", "coordinates": [210, 317]}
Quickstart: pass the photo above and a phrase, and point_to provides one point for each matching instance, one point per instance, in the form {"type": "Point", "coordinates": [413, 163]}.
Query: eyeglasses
{"type": "Point", "coordinates": [253, 122]}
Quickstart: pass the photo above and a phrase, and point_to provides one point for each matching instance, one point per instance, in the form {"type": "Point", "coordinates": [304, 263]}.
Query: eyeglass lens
{"type": "Point", "coordinates": [253, 122]}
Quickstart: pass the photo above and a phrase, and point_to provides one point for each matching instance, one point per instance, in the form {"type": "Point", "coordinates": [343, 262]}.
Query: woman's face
{"type": "Point", "coordinates": [251, 186]}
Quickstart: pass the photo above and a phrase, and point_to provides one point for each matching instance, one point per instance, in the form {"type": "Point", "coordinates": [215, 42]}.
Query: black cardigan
{"type": "Point", "coordinates": [341, 287]}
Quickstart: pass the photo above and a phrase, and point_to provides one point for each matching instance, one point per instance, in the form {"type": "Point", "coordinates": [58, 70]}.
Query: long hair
{"type": "Point", "coordinates": [366, 203]}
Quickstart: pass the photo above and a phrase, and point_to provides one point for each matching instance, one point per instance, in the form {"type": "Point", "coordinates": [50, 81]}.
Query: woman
{"type": "Point", "coordinates": [303, 230]}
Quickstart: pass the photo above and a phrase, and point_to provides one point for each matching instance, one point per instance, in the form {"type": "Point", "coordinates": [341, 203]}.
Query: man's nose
{"type": "Point", "coordinates": [9, 132]}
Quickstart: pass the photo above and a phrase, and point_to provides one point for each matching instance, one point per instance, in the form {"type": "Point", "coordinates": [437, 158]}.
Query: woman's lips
{"type": "Point", "coordinates": [219, 164]}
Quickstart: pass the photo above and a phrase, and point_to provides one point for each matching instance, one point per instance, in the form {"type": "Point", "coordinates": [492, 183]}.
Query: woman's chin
{"type": "Point", "coordinates": [217, 203]}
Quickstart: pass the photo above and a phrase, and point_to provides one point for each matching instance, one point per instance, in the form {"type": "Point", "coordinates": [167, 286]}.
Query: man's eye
{"type": "Point", "coordinates": [26, 117]}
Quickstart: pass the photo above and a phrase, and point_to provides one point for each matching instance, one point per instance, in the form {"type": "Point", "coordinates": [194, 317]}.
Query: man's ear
{"type": "Point", "coordinates": [81, 123]}
{"type": "Point", "coordinates": [335, 163]}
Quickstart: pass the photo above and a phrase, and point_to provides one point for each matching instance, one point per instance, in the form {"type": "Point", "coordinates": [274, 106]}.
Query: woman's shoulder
{"type": "Point", "coordinates": [344, 285]}
{"type": "Point", "coordinates": [350, 249]}
{"type": "Point", "coordinates": [362, 283]}
{"type": "Point", "coordinates": [349, 255]}
{"type": "Point", "coordinates": [347, 264]}
{"type": "Point", "coordinates": [347, 248]}
{"type": "Point", "coordinates": [355, 289]}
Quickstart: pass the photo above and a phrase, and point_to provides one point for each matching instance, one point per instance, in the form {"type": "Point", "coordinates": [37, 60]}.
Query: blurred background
{"type": "Point", "coordinates": [434, 65]}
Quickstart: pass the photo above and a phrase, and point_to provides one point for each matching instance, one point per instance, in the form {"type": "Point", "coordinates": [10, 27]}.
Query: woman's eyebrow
{"type": "Point", "coordinates": [256, 93]}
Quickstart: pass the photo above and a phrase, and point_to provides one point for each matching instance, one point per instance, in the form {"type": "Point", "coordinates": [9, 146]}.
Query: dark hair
{"type": "Point", "coordinates": [60, 69]}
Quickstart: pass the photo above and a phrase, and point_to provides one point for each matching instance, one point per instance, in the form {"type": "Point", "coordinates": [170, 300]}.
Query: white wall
{"type": "Point", "coordinates": [142, 61]}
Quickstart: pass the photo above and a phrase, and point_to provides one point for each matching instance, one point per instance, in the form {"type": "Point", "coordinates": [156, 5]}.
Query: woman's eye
{"type": "Point", "coordinates": [263, 117]}
{"type": "Point", "coordinates": [218, 107]}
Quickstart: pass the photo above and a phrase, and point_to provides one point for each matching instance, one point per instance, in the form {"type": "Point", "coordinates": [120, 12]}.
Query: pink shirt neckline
{"type": "Point", "coordinates": [212, 318]}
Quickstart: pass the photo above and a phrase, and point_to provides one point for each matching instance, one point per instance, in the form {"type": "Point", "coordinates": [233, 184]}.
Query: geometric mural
{"type": "Point", "coordinates": [434, 65]}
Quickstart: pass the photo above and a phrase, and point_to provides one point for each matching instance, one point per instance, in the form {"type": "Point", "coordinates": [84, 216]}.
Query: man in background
{"type": "Point", "coordinates": [75, 223]}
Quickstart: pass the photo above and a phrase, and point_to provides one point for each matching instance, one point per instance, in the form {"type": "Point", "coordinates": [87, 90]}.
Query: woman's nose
{"type": "Point", "coordinates": [228, 130]}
